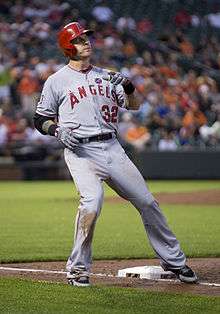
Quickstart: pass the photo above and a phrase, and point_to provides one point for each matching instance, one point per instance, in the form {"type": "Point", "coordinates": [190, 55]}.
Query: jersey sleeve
{"type": "Point", "coordinates": [121, 98]}
{"type": "Point", "coordinates": [48, 103]}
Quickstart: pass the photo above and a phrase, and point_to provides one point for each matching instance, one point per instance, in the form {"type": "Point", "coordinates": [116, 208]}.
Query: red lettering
{"type": "Point", "coordinates": [110, 115]}
{"type": "Point", "coordinates": [73, 100]}
{"type": "Point", "coordinates": [114, 112]}
{"type": "Point", "coordinates": [106, 113]}
{"type": "Point", "coordinates": [107, 92]}
{"type": "Point", "coordinates": [100, 88]}
{"type": "Point", "coordinates": [82, 91]}
{"type": "Point", "coordinates": [92, 90]}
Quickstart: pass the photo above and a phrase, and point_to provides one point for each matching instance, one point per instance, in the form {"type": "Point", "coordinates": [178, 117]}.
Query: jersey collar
{"type": "Point", "coordinates": [82, 71]}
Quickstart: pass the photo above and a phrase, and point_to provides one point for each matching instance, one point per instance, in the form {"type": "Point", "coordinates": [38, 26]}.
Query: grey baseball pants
{"type": "Point", "coordinates": [91, 164]}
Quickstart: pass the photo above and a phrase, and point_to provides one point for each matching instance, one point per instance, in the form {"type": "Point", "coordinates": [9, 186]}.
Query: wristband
{"type": "Point", "coordinates": [129, 88]}
{"type": "Point", "coordinates": [52, 129]}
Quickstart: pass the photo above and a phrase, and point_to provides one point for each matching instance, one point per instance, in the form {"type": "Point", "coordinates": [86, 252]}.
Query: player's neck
{"type": "Point", "coordinates": [80, 65]}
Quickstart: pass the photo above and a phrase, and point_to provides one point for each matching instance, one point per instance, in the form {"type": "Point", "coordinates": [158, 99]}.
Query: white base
{"type": "Point", "coordinates": [146, 272]}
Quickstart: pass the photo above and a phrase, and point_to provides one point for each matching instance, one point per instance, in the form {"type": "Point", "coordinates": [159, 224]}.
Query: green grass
{"type": "Point", "coordinates": [199, 234]}
{"type": "Point", "coordinates": [37, 223]}
{"type": "Point", "coordinates": [23, 296]}
{"type": "Point", "coordinates": [63, 189]}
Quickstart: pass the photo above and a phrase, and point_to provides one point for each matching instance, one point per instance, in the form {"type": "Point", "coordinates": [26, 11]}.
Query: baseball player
{"type": "Point", "coordinates": [79, 105]}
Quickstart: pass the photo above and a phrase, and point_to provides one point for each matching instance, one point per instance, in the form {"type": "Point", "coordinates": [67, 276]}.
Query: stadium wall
{"type": "Point", "coordinates": [179, 165]}
{"type": "Point", "coordinates": [152, 164]}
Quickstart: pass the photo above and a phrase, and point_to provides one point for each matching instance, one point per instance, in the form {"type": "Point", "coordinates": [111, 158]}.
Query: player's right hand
{"type": "Point", "coordinates": [66, 137]}
{"type": "Point", "coordinates": [115, 78]}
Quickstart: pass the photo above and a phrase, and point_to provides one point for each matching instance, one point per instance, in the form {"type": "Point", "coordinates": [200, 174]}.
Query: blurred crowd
{"type": "Point", "coordinates": [175, 71]}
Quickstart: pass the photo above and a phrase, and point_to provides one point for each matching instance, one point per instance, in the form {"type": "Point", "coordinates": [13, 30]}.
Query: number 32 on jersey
{"type": "Point", "coordinates": [110, 114]}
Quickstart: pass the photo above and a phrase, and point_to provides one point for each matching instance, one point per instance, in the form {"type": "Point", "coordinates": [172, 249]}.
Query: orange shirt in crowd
{"type": "Point", "coordinates": [167, 71]}
{"type": "Point", "coordinates": [186, 47]}
{"type": "Point", "coordinates": [129, 49]}
{"type": "Point", "coordinates": [135, 133]}
{"type": "Point", "coordinates": [170, 97]}
{"type": "Point", "coordinates": [28, 85]}
{"type": "Point", "coordinates": [193, 117]}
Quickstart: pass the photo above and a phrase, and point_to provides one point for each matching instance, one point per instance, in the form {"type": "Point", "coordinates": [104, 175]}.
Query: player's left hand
{"type": "Point", "coordinates": [117, 78]}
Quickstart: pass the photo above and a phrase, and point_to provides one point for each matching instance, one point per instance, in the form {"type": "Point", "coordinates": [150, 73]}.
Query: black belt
{"type": "Point", "coordinates": [97, 138]}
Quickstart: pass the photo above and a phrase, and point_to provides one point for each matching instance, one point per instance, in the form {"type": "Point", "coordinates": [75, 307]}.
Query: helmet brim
{"type": "Point", "coordinates": [88, 32]}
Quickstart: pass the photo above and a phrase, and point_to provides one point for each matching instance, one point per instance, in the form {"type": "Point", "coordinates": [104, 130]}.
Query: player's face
{"type": "Point", "coordinates": [83, 46]}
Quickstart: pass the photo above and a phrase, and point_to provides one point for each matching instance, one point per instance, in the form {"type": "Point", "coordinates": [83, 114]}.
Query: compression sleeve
{"type": "Point", "coordinates": [44, 124]}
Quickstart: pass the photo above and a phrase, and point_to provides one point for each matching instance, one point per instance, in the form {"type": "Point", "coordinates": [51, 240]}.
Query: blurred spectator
{"type": "Point", "coordinates": [3, 136]}
{"type": "Point", "coordinates": [186, 47]}
{"type": "Point", "coordinates": [20, 135]}
{"type": "Point", "coordinates": [4, 83]}
{"type": "Point", "coordinates": [196, 20]}
{"type": "Point", "coordinates": [186, 138]}
{"type": "Point", "coordinates": [205, 102]}
{"type": "Point", "coordinates": [167, 142]}
{"type": "Point", "coordinates": [211, 135]}
{"type": "Point", "coordinates": [137, 136]}
{"type": "Point", "coordinates": [194, 117]}
{"type": "Point", "coordinates": [144, 26]}
{"type": "Point", "coordinates": [126, 122]}
{"type": "Point", "coordinates": [125, 23]}
{"type": "Point", "coordinates": [175, 71]}
{"type": "Point", "coordinates": [29, 91]}
{"type": "Point", "coordinates": [182, 18]}
{"type": "Point", "coordinates": [15, 77]}
{"type": "Point", "coordinates": [214, 19]}
{"type": "Point", "coordinates": [102, 13]}
{"type": "Point", "coordinates": [129, 49]}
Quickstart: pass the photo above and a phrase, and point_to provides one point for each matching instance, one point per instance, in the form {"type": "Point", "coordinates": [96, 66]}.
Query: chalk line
{"type": "Point", "coordinates": [45, 271]}
{"type": "Point", "coordinates": [15, 269]}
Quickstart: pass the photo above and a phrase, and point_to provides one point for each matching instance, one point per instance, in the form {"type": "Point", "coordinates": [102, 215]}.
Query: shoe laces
{"type": "Point", "coordinates": [80, 271]}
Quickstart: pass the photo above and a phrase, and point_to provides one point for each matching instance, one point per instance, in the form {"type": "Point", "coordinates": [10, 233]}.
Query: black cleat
{"type": "Point", "coordinates": [78, 281]}
{"type": "Point", "coordinates": [78, 277]}
{"type": "Point", "coordinates": [185, 274]}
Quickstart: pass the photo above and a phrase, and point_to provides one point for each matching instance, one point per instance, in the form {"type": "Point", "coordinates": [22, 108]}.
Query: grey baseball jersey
{"type": "Point", "coordinates": [82, 100]}
{"type": "Point", "coordinates": [89, 104]}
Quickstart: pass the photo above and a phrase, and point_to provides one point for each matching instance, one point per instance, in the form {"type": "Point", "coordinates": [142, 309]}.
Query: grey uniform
{"type": "Point", "coordinates": [90, 105]}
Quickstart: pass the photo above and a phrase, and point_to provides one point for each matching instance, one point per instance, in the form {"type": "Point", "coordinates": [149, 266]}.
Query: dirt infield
{"type": "Point", "coordinates": [105, 274]}
{"type": "Point", "coordinates": [210, 197]}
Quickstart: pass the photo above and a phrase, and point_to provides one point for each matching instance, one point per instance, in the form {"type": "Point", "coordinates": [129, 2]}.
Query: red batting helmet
{"type": "Point", "coordinates": [67, 34]}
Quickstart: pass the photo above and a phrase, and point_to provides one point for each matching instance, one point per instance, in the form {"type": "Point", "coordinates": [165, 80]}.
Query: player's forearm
{"type": "Point", "coordinates": [133, 101]}
{"type": "Point", "coordinates": [45, 125]}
